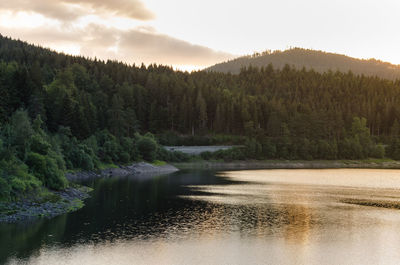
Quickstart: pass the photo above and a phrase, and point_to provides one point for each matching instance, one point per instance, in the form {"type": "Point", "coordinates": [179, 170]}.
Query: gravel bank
{"type": "Point", "coordinates": [136, 169]}
{"type": "Point", "coordinates": [61, 202]}
{"type": "Point", "coordinates": [288, 164]}
{"type": "Point", "coordinates": [32, 208]}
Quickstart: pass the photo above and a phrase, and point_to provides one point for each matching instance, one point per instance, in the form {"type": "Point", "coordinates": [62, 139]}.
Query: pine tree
{"type": "Point", "coordinates": [395, 129]}
{"type": "Point", "coordinates": [116, 117]}
{"type": "Point", "coordinates": [201, 108]}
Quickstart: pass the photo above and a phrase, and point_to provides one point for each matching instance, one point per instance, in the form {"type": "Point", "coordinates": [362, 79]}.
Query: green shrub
{"type": "Point", "coordinates": [393, 149]}
{"type": "Point", "coordinates": [16, 178]}
{"type": "Point", "coordinates": [28, 181]}
{"type": "Point", "coordinates": [253, 148]}
{"type": "Point", "coordinates": [21, 132]}
{"type": "Point", "coordinates": [378, 151]}
{"type": "Point", "coordinates": [147, 147]}
{"type": "Point", "coordinates": [174, 139]}
{"type": "Point", "coordinates": [31, 182]}
{"type": "Point", "coordinates": [325, 150]}
{"type": "Point", "coordinates": [1, 149]}
{"type": "Point", "coordinates": [80, 156]}
{"type": "Point", "coordinates": [5, 190]}
{"type": "Point", "coordinates": [39, 145]}
{"type": "Point", "coordinates": [177, 156]}
{"type": "Point", "coordinates": [350, 148]}
{"type": "Point", "coordinates": [169, 138]}
{"type": "Point", "coordinates": [18, 185]}
{"type": "Point", "coordinates": [47, 170]}
{"type": "Point", "coordinates": [124, 157]}
{"type": "Point", "coordinates": [85, 162]}
{"type": "Point", "coordinates": [77, 155]}
{"type": "Point", "coordinates": [231, 154]}
{"type": "Point", "coordinates": [163, 154]}
{"type": "Point", "coordinates": [37, 164]}
{"type": "Point", "coordinates": [110, 151]}
{"type": "Point", "coordinates": [59, 159]}
{"type": "Point", "coordinates": [206, 155]}
{"type": "Point", "coordinates": [55, 178]}
{"type": "Point", "coordinates": [91, 143]}
{"type": "Point", "coordinates": [128, 145]}
{"type": "Point", "coordinates": [108, 147]}
{"type": "Point", "coordinates": [268, 149]}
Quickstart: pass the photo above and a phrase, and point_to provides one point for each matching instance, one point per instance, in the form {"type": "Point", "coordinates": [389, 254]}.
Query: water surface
{"type": "Point", "coordinates": [237, 217]}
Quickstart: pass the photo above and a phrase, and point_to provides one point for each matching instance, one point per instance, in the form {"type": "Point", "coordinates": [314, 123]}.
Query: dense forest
{"type": "Point", "coordinates": [61, 112]}
{"type": "Point", "coordinates": [311, 59]}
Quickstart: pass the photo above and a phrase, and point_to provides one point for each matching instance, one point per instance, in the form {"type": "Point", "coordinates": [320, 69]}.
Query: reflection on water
{"type": "Point", "coordinates": [238, 217]}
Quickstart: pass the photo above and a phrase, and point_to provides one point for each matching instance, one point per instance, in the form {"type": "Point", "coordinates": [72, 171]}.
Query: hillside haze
{"type": "Point", "coordinates": [311, 59]}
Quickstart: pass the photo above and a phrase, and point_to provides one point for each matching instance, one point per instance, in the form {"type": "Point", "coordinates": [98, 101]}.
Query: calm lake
{"type": "Point", "coordinates": [235, 217]}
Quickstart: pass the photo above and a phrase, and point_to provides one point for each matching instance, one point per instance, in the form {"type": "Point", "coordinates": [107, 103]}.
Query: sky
{"type": "Point", "coordinates": [190, 35]}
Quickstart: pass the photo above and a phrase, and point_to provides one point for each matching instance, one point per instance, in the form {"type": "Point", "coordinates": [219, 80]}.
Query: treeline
{"type": "Point", "coordinates": [311, 59]}
{"type": "Point", "coordinates": [90, 95]}
{"type": "Point", "coordinates": [358, 144]}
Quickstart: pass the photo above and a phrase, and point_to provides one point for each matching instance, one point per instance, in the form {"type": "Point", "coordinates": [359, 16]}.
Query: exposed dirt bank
{"type": "Point", "coordinates": [287, 164]}
{"type": "Point", "coordinates": [136, 169]}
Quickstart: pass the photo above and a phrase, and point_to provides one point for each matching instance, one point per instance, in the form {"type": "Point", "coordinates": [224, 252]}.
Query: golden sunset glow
{"type": "Point", "coordinates": [192, 35]}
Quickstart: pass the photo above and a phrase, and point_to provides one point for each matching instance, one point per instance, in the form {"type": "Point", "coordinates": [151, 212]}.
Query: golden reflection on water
{"type": "Point", "coordinates": [267, 217]}
{"type": "Point", "coordinates": [306, 201]}
{"type": "Point", "coordinates": [360, 178]}
{"type": "Point", "coordinates": [298, 227]}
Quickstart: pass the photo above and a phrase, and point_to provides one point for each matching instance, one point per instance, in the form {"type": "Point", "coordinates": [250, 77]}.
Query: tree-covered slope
{"type": "Point", "coordinates": [61, 112]}
{"type": "Point", "coordinates": [88, 96]}
{"type": "Point", "coordinates": [311, 59]}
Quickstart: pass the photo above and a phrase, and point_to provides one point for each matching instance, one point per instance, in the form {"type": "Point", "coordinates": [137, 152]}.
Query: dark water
{"type": "Point", "coordinates": [240, 217]}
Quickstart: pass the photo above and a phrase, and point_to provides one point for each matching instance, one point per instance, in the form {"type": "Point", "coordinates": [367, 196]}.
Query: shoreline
{"type": "Point", "coordinates": [135, 169]}
{"type": "Point", "coordinates": [72, 199]}
{"type": "Point", "coordinates": [289, 164]}
{"type": "Point", "coordinates": [34, 207]}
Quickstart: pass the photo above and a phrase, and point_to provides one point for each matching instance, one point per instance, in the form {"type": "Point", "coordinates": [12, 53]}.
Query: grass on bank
{"type": "Point", "coordinates": [159, 163]}
{"type": "Point", "coordinates": [103, 166]}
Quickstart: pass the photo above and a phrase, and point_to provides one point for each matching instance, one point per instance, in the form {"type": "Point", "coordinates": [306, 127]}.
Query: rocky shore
{"type": "Point", "coordinates": [55, 203]}
{"type": "Point", "coordinates": [136, 169]}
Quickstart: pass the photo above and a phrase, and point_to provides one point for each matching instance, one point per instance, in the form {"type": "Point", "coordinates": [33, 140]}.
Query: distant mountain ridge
{"type": "Point", "coordinates": [318, 60]}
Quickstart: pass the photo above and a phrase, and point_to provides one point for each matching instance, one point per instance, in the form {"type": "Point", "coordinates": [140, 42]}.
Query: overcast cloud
{"type": "Point", "coordinates": [138, 45]}
{"type": "Point", "coordinates": [132, 44]}
{"type": "Point", "coordinates": [67, 10]}
{"type": "Point", "coordinates": [149, 46]}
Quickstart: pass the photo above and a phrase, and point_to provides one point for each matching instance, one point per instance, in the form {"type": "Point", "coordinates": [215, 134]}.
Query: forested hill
{"type": "Point", "coordinates": [90, 95]}
{"type": "Point", "coordinates": [318, 60]}
{"type": "Point", "coordinates": [90, 110]}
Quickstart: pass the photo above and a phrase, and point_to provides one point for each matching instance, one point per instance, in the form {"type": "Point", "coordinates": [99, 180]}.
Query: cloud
{"type": "Point", "coordinates": [63, 30]}
{"type": "Point", "coordinates": [68, 10]}
{"type": "Point", "coordinates": [127, 8]}
{"type": "Point", "coordinates": [138, 45]}
{"type": "Point", "coordinates": [153, 47]}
